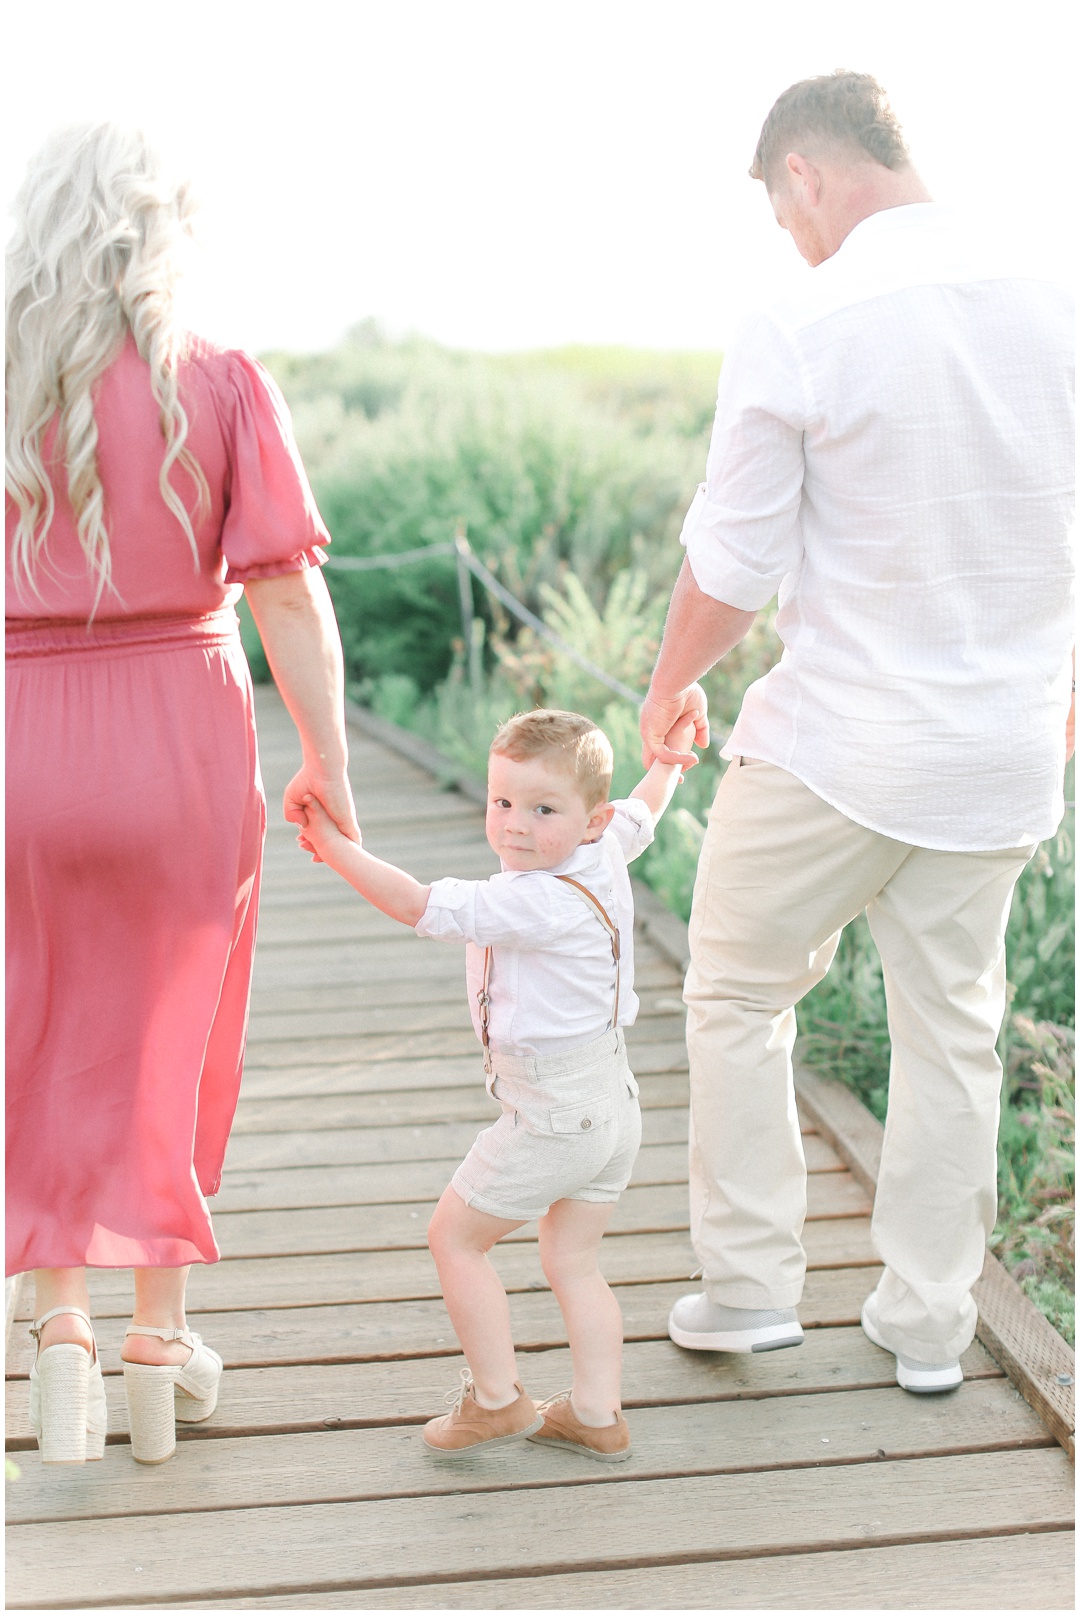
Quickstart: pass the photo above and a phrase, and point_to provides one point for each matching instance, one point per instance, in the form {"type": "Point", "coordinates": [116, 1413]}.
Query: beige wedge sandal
{"type": "Point", "coordinates": [67, 1398]}
{"type": "Point", "coordinates": [158, 1397]}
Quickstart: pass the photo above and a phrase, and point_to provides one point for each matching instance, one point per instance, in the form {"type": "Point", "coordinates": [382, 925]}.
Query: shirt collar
{"type": "Point", "coordinates": [908, 216]}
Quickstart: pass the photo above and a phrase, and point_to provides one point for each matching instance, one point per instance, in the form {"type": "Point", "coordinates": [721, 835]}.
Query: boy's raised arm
{"type": "Point", "coordinates": [384, 885]}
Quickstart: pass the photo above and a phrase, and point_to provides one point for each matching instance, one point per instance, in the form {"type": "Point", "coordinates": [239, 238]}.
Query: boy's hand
{"type": "Point", "coordinates": [318, 828]}
{"type": "Point", "coordinates": [680, 737]}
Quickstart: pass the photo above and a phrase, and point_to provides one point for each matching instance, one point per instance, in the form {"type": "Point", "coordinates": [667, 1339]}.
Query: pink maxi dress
{"type": "Point", "coordinates": [135, 820]}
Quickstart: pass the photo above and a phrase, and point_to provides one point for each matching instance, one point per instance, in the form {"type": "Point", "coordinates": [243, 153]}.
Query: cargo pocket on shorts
{"type": "Point", "coordinates": [583, 1117]}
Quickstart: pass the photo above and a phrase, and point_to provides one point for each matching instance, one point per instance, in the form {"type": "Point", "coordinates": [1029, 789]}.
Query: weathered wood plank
{"type": "Point", "coordinates": [1029, 1349]}
{"type": "Point", "coordinates": [1009, 1572]}
{"type": "Point", "coordinates": [273, 1024]}
{"type": "Point", "coordinates": [368, 1395]}
{"type": "Point", "coordinates": [391, 1181]}
{"type": "Point", "coordinates": [344, 1279]}
{"type": "Point", "coordinates": [319, 1230]}
{"type": "Point", "coordinates": [281, 1549]}
{"type": "Point", "coordinates": [407, 1041]}
{"type": "Point", "coordinates": [386, 1331]}
{"type": "Point", "coordinates": [664, 1090]}
{"type": "Point", "coordinates": [318, 997]}
{"type": "Point", "coordinates": [687, 1439]}
{"type": "Point", "coordinates": [358, 1146]}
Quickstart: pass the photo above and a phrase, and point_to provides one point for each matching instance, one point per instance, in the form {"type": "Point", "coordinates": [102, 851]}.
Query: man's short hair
{"type": "Point", "coordinates": [572, 742]}
{"type": "Point", "coordinates": [838, 110]}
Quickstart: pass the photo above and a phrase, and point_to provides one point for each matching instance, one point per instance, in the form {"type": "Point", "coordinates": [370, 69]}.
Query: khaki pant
{"type": "Point", "coordinates": [781, 874]}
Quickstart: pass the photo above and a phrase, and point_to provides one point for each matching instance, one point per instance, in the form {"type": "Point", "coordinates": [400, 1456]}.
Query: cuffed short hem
{"type": "Point", "coordinates": [492, 1208]}
{"type": "Point", "coordinates": [602, 1197]}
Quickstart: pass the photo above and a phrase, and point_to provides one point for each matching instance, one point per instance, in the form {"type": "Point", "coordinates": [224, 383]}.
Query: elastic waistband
{"type": "Point", "coordinates": [558, 1065]}
{"type": "Point", "coordinates": [49, 637]}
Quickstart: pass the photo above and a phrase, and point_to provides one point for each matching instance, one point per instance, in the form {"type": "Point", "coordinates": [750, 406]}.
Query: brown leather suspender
{"type": "Point", "coordinates": [483, 998]}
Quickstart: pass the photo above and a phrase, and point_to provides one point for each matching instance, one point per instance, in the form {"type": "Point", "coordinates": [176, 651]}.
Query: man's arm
{"type": "Point", "coordinates": [698, 632]}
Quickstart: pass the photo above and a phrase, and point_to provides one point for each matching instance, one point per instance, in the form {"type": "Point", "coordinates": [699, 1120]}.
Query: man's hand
{"type": "Point", "coordinates": [661, 715]}
{"type": "Point", "coordinates": [335, 795]}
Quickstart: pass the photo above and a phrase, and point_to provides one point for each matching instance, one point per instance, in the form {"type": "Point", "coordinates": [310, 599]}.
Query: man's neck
{"type": "Point", "coordinates": [869, 189]}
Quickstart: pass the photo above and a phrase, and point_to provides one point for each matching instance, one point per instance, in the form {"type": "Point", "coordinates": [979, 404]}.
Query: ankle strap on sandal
{"type": "Point", "coordinates": [39, 1323]}
{"type": "Point", "coordinates": [162, 1334]}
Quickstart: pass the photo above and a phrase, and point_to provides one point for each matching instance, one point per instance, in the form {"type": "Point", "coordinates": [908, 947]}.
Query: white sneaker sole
{"type": "Point", "coordinates": [919, 1381]}
{"type": "Point", "coordinates": [772, 1338]}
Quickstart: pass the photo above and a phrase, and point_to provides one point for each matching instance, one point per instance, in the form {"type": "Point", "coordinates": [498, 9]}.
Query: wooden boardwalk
{"type": "Point", "coordinates": [797, 1480]}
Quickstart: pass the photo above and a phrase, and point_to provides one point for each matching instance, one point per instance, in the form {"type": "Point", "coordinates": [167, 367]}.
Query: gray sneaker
{"type": "Point", "coordinates": [922, 1379]}
{"type": "Point", "coordinates": [704, 1325]}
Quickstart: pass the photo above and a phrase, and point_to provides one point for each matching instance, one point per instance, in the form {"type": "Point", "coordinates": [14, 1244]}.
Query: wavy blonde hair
{"type": "Point", "coordinates": [95, 254]}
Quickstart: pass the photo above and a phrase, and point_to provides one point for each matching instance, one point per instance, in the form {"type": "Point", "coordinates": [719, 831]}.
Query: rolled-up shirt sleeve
{"type": "Point", "coordinates": [741, 533]}
{"type": "Point", "coordinates": [507, 908]}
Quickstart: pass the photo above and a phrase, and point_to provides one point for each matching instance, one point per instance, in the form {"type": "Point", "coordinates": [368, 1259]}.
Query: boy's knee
{"type": "Point", "coordinates": [562, 1267]}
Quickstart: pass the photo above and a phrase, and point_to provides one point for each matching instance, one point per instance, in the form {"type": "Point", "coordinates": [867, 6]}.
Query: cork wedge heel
{"type": "Point", "coordinates": [67, 1398]}
{"type": "Point", "coordinates": [160, 1397]}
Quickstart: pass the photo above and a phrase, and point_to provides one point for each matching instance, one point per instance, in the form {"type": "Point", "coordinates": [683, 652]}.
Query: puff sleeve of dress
{"type": "Point", "coordinates": [272, 524]}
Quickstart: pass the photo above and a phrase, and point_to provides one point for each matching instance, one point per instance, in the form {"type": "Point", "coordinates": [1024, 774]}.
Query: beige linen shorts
{"type": "Point", "coordinates": [570, 1130]}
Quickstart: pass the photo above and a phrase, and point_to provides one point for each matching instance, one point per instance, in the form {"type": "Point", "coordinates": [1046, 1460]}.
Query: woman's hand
{"type": "Point", "coordinates": [335, 795]}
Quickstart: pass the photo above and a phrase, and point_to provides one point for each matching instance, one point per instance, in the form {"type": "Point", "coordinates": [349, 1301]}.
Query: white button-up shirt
{"type": "Point", "coordinates": [552, 986]}
{"type": "Point", "coordinates": [893, 452]}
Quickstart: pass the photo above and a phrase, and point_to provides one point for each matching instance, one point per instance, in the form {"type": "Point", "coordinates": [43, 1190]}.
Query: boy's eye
{"type": "Point", "coordinates": [501, 802]}
{"type": "Point", "coordinates": [543, 809]}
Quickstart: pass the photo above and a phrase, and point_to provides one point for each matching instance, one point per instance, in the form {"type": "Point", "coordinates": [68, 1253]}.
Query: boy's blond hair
{"type": "Point", "coordinates": [572, 743]}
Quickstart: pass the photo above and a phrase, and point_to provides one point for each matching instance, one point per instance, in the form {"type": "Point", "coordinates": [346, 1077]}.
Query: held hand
{"type": "Point", "coordinates": [669, 722]}
{"type": "Point", "coordinates": [335, 796]}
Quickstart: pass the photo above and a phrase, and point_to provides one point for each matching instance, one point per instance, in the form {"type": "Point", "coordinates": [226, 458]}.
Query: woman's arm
{"type": "Point", "coordinates": [295, 618]}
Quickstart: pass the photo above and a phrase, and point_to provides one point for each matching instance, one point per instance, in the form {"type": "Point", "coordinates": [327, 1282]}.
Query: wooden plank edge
{"type": "Point", "coordinates": [1039, 1362]}
{"type": "Point", "coordinates": [556, 1567]}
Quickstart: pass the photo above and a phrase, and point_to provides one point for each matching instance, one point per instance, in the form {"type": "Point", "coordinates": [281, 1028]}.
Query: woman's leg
{"type": "Point", "coordinates": [62, 1287]}
{"type": "Point", "coordinates": [570, 1237]}
{"type": "Point", "coordinates": [159, 1300]}
{"type": "Point", "coordinates": [459, 1239]}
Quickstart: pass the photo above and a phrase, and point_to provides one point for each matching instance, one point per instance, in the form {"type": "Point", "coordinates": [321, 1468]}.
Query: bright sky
{"type": "Point", "coordinates": [520, 173]}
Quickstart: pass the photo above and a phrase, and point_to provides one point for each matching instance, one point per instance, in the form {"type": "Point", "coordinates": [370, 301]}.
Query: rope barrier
{"type": "Point", "coordinates": [468, 563]}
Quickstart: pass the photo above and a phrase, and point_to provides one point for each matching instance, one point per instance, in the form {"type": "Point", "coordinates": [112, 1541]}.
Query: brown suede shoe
{"type": "Point", "coordinates": [608, 1443]}
{"type": "Point", "coordinates": [469, 1425]}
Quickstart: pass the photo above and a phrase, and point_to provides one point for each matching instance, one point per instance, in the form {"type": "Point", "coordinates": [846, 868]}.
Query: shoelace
{"type": "Point", "coordinates": [455, 1400]}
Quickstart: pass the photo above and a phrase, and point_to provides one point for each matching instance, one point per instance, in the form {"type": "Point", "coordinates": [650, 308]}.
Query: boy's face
{"type": "Point", "coordinates": [536, 815]}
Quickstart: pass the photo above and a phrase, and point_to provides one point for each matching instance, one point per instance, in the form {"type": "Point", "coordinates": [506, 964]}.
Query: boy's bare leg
{"type": "Point", "coordinates": [570, 1237]}
{"type": "Point", "coordinates": [459, 1239]}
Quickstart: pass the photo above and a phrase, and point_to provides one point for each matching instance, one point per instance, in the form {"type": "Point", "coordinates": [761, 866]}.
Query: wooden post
{"type": "Point", "coordinates": [472, 628]}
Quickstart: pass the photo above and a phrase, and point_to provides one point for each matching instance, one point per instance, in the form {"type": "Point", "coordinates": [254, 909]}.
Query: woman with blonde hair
{"type": "Point", "coordinates": [150, 478]}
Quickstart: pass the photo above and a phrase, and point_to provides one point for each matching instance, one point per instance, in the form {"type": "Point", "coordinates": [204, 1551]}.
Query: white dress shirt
{"type": "Point", "coordinates": [552, 986]}
{"type": "Point", "coordinates": [893, 452]}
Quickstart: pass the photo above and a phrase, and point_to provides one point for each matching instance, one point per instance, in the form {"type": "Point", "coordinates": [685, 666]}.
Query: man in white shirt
{"type": "Point", "coordinates": [892, 452]}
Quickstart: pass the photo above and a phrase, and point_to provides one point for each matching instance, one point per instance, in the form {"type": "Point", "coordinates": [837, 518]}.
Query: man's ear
{"type": "Point", "coordinates": [599, 820]}
{"type": "Point", "coordinates": [806, 177]}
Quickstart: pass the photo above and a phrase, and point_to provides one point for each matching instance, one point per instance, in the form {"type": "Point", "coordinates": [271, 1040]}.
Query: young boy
{"type": "Point", "coordinates": [550, 969]}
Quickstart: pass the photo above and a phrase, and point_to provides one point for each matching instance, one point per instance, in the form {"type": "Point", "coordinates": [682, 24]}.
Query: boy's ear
{"type": "Point", "coordinates": [599, 820]}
